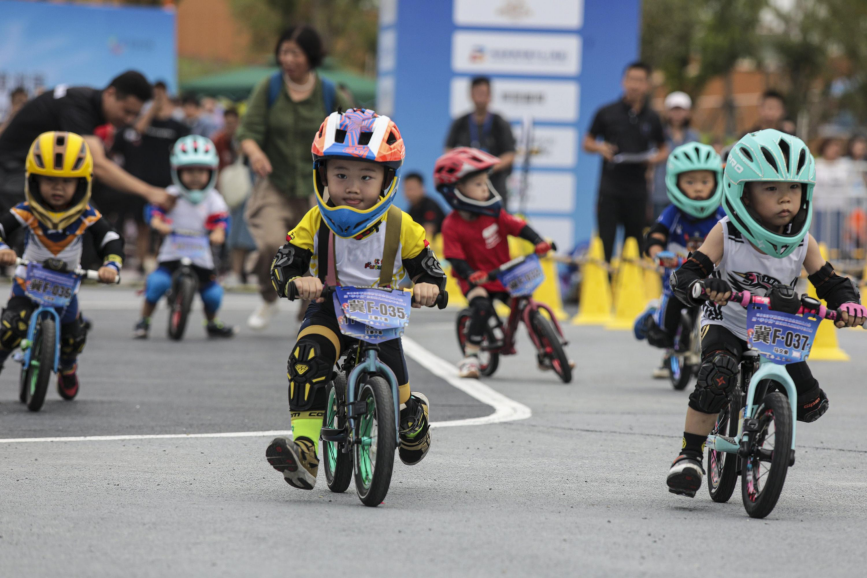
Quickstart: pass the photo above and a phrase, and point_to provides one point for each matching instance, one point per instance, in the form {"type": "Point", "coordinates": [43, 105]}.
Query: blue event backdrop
{"type": "Point", "coordinates": [563, 57]}
{"type": "Point", "coordinates": [45, 44]}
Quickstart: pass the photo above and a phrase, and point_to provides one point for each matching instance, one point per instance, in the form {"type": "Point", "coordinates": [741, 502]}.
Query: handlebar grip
{"type": "Point", "coordinates": [291, 291]}
{"type": "Point", "coordinates": [442, 300]}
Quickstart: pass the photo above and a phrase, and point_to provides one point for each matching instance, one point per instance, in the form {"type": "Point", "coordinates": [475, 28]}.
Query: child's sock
{"type": "Point", "coordinates": [693, 445]}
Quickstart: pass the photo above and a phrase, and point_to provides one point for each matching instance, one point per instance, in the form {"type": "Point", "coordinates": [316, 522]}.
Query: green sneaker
{"type": "Point", "coordinates": [414, 430]}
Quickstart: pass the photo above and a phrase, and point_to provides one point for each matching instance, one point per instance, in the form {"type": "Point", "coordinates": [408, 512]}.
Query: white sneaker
{"type": "Point", "coordinates": [469, 366]}
{"type": "Point", "coordinates": [261, 317]}
{"type": "Point", "coordinates": [661, 372]}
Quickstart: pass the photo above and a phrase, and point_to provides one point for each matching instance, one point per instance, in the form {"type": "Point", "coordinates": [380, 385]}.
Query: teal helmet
{"type": "Point", "coordinates": [688, 157]}
{"type": "Point", "coordinates": [769, 155]}
{"type": "Point", "coordinates": [194, 151]}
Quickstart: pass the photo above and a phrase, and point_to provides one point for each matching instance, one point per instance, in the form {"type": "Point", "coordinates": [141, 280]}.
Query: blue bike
{"type": "Point", "coordinates": [360, 433]}
{"type": "Point", "coordinates": [52, 290]}
{"type": "Point", "coordinates": [760, 443]}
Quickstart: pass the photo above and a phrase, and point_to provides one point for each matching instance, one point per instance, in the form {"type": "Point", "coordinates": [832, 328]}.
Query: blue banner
{"type": "Point", "coordinates": [552, 64]}
{"type": "Point", "coordinates": [44, 44]}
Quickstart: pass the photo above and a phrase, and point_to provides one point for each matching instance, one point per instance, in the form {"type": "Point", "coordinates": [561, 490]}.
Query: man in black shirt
{"type": "Point", "coordinates": [424, 210]}
{"type": "Point", "coordinates": [630, 131]}
{"type": "Point", "coordinates": [79, 110]}
{"type": "Point", "coordinates": [485, 130]}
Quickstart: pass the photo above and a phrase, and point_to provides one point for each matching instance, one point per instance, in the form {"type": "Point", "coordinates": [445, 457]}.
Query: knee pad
{"type": "Point", "coordinates": [717, 378]}
{"type": "Point", "coordinates": [14, 321]}
{"type": "Point", "coordinates": [310, 367]}
{"type": "Point", "coordinates": [73, 336]}
{"type": "Point", "coordinates": [157, 284]}
{"type": "Point", "coordinates": [212, 297]}
{"type": "Point", "coordinates": [484, 321]}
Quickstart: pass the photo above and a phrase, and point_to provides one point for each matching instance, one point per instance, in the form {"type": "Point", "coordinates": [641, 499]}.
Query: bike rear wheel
{"type": "Point", "coordinates": [680, 370]}
{"type": "Point", "coordinates": [338, 465]}
{"type": "Point", "coordinates": [374, 455]}
{"type": "Point", "coordinates": [41, 363]}
{"type": "Point", "coordinates": [722, 467]}
{"type": "Point", "coordinates": [552, 347]}
{"type": "Point", "coordinates": [764, 471]}
{"type": "Point", "coordinates": [488, 360]}
{"type": "Point", "coordinates": [180, 304]}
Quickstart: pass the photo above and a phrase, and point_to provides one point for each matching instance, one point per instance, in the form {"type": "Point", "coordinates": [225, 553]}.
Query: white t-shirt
{"type": "Point", "coordinates": [199, 219]}
{"type": "Point", "coordinates": [747, 269]}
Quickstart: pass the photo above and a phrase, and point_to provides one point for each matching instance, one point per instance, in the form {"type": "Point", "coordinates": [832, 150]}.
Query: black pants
{"type": "Point", "coordinates": [613, 210]}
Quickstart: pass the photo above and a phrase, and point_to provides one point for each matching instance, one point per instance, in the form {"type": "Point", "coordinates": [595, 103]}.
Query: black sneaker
{"type": "Point", "coordinates": [684, 477]}
{"type": "Point", "coordinates": [217, 328]}
{"type": "Point", "coordinates": [814, 409]}
{"type": "Point", "coordinates": [414, 430]}
{"type": "Point", "coordinates": [142, 328]}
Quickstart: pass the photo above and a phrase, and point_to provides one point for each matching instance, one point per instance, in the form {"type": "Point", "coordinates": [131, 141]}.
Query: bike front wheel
{"type": "Point", "coordinates": [374, 449]}
{"type": "Point", "coordinates": [551, 346]}
{"type": "Point", "coordinates": [764, 471]}
{"type": "Point", "coordinates": [41, 364]}
{"type": "Point", "coordinates": [338, 465]}
{"type": "Point", "coordinates": [722, 467]}
{"type": "Point", "coordinates": [180, 304]}
{"type": "Point", "coordinates": [680, 371]}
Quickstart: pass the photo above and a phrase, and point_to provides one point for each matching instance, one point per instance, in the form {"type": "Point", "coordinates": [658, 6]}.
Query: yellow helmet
{"type": "Point", "coordinates": [60, 155]}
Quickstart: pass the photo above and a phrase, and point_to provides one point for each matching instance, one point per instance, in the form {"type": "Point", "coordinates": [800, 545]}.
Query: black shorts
{"type": "Point", "coordinates": [390, 352]}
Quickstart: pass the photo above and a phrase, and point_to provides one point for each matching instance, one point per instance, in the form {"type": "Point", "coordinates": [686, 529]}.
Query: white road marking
{"type": "Point", "coordinates": [505, 409]}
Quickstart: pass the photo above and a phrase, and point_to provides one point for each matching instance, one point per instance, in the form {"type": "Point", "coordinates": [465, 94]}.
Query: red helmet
{"type": "Point", "coordinates": [460, 163]}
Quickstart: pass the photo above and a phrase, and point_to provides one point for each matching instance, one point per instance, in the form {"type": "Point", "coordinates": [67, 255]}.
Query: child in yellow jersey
{"type": "Point", "coordinates": [344, 240]}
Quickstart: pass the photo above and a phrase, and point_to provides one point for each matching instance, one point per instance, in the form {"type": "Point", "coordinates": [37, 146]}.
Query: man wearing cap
{"type": "Point", "coordinates": [678, 109]}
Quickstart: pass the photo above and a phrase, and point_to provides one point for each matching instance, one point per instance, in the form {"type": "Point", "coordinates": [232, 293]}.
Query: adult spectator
{"type": "Point", "coordinates": [832, 198]}
{"type": "Point", "coordinates": [80, 110]}
{"type": "Point", "coordinates": [678, 110]}
{"type": "Point", "coordinates": [285, 111]}
{"type": "Point", "coordinates": [143, 149]}
{"type": "Point", "coordinates": [196, 121]}
{"type": "Point", "coordinates": [772, 111]}
{"type": "Point", "coordinates": [17, 100]}
{"type": "Point", "coordinates": [485, 130]}
{"type": "Point", "coordinates": [424, 210]}
{"type": "Point", "coordinates": [239, 243]}
{"type": "Point", "coordinates": [857, 151]}
{"type": "Point", "coordinates": [629, 136]}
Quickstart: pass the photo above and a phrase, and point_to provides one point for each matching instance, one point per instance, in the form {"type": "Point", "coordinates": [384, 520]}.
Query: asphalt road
{"type": "Point", "coordinates": [578, 489]}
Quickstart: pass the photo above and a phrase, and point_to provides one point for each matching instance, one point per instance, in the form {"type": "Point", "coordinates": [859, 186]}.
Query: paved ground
{"type": "Point", "coordinates": [577, 489]}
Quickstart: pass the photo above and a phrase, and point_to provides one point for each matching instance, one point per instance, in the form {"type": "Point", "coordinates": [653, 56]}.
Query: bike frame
{"type": "Point", "coordinates": [372, 365]}
{"type": "Point", "coordinates": [40, 312]}
{"type": "Point", "coordinates": [519, 310]}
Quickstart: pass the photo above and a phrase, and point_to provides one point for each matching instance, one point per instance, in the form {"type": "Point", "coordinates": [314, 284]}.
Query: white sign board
{"type": "Point", "coordinates": [559, 14]}
{"type": "Point", "coordinates": [543, 100]}
{"type": "Point", "coordinates": [515, 53]}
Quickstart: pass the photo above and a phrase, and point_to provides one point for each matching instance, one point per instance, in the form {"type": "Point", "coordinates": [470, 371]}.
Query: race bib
{"type": "Point", "coordinates": [372, 315]}
{"type": "Point", "coordinates": [48, 287]}
{"type": "Point", "coordinates": [524, 278]}
{"type": "Point", "coordinates": [781, 337]}
{"type": "Point", "coordinates": [194, 248]}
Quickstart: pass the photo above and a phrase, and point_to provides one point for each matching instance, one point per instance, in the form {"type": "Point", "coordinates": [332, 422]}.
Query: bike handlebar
{"type": "Point", "coordinates": [83, 273]}
{"type": "Point", "coordinates": [745, 299]}
{"type": "Point", "coordinates": [441, 302]}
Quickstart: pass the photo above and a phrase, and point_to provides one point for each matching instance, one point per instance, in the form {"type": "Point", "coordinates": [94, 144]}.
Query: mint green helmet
{"type": "Point", "coordinates": [194, 151]}
{"type": "Point", "coordinates": [769, 155]}
{"type": "Point", "coordinates": [688, 157]}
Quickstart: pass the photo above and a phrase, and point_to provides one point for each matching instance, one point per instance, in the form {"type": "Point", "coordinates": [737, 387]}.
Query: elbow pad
{"type": "Point", "coordinates": [832, 288]}
{"type": "Point", "coordinates": [425, 268]}
{"type": "Point", "coordinates": [530, 235]}
{"type": "Point", "coordinates": [696, 268]}
{"type": "Point", "coordinates": [289, 263]}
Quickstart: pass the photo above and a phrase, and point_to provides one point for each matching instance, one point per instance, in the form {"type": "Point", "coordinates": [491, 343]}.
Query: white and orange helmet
{"type": "Point", "coordinates": [360, 135]}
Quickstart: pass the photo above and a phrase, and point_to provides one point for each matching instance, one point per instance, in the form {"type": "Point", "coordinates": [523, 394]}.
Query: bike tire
{"type": "Point", "coordinates": [489, 360]}
{"type": "Point", "coordinates": [373, 460]}
{"type": "Point", "coordinates": [680, 372]}
{"type": "Point", "coordinates": [41, 363]}
{"type": "Point", "coordinates": [338, 465]}
{"type": "Point", "coordinates": [760, 501]}
{"type": "Point", "coordinates": [722, 468]}
{"type": "Point", "coordinates": [180, 304]}
{"type": "Point", "coordinates": [553, 347]}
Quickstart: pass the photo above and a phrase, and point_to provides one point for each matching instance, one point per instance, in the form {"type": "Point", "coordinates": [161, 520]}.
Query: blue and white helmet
{"type": "Point", "coordinates": [194, 151]}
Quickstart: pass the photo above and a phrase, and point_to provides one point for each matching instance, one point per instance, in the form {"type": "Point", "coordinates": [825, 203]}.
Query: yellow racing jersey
{"type": "Point", "coordinates": [358, 260]}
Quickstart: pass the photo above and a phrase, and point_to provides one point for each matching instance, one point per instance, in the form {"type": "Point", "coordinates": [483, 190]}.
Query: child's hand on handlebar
{"type": "Point", "coordinates": [667, 259]}
{"type": "Point", "coordinates": [8, 257]}
{"type": "Point", "coordinates": [851, 315]}
{"type": "Point", "coordinates": [478, 277]}
{"type": "Point", "coordinates": [424, 295]}
{"type": "Point", "coordinates": [543, 248]}
{"type": "Point", "coordinates": [107, 274]}
{"type": "Point", "coordinates": [218, 236]}
{"type": "Point", "coordinates": [718, 290]}
{"type": "Point", "coordinates": [309, 288]}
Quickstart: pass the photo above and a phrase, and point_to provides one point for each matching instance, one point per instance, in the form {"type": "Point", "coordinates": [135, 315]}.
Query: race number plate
{"type": "Point", "coordinates": [372, 315]}
{"type": "Point", "coordinates": [49, 287]}
{"type": "Point", "coordinates": [781, 337]}
{"type": "Point", "coordinates": [193, 248]}
{"type": "Point", "coordinates": [523, 279]}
